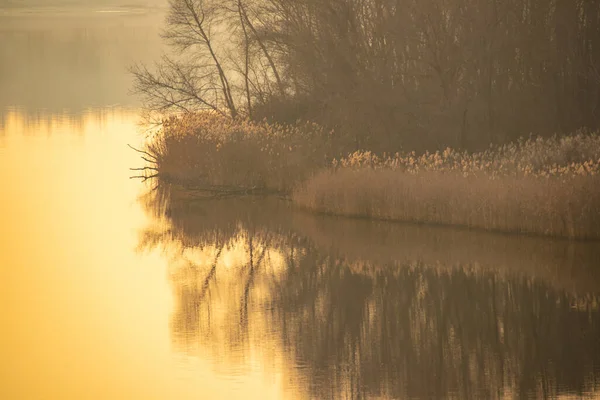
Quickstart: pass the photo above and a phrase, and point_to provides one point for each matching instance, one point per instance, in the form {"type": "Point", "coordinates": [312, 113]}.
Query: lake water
{"type": "Point", "coordinates": [111, 288]}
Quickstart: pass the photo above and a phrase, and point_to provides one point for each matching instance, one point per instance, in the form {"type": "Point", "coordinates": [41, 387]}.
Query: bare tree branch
{"type": "Point", "coordinates": [144, 152]}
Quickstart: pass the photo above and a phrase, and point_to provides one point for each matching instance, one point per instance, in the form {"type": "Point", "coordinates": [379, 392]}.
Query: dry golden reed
{"type": "Point", "coordinates": [548, 186]}
{"type": "Point", "coordinates": [523, 204]}
{"type": "Point", "coordinates": [539, 186]}
{"type": "Point", "coordinates": [206, 149]}
{"type": "Point", "coordinates": [573, 155]}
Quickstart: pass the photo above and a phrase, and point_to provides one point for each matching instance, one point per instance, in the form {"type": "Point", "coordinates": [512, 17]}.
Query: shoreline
{"type": "Point", "coordinates": [536, 186]}
{"type": "Point", "coordinates": [520, 206]}
{"type": "Point", "coordinates": [190, 194]}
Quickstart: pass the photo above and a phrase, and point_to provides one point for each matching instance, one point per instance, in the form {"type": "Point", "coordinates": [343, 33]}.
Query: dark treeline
{"type": "Point", "coordinates": [388, 73]}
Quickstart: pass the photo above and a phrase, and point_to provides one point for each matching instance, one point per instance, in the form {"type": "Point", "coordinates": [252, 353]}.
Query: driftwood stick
{"type": "Point", "coordinates": [206, 191]}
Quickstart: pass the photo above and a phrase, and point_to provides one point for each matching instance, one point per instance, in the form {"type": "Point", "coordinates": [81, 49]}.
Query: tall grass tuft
{"type": "Point", "coordinates": [205, 149]}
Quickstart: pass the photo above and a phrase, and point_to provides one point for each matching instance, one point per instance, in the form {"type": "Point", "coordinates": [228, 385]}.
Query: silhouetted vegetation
{"type": "Point", "coordinates": [387, 73]}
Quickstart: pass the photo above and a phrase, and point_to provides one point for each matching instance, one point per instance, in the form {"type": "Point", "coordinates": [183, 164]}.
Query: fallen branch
{"type": "Point", "coordinates": [215, 193]}
{"type": "Point", "coordinates": [195, 191]}
{"type": "Point", "coordinates": [231, 190]}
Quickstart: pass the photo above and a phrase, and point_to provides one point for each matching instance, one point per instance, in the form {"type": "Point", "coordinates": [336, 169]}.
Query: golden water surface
{"type": "Point", "coordinates": [85, 315]}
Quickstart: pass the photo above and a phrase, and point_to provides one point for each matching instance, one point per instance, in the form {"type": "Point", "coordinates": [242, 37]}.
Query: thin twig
{"type": "Point", "coordinates": [144, 152]}
{"type": "Point", "coordinates": [144, 178]}
{"type": "Point", "coordinates": [150, 161]}
{"type": "Point", "coordinates": [144, 169]}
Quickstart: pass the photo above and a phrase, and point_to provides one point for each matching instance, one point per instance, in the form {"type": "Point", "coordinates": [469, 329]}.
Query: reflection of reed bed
{"type": "Point", "coordinates": [197, 221]}
{"type": "Point", "coordinates": [391, 328]}
{"type": "Point", "coordinates": [565, 264]}
{"type": "Point", "coordinates": [393, 304]}
{"type": "Point", "coordinates": [573, 265]}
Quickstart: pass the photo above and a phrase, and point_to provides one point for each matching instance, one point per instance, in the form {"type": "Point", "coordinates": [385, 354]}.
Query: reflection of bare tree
{"type": "Point", "coordinates": [198, 222]}
{"type": "Point", "coordinates": [187, 320]}
{"type": "Point", "coordinates": [411, 331]}
{"type": "Point", "coordinates": [253, 267]}
{"type": "Point", "coordinates": [363, 328]}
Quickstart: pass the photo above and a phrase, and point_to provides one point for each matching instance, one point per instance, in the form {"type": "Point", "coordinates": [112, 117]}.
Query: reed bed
{"type": "Point", "coordinates": [537, 186]}
{"type": "Point", "coordinates": [548, 186]}
{"type": "Point", "coordinates": [553, 207]}
{"type": "Point", "coordinates": [574, 155]}
{"type": "Point", "coordinates": [211, 151]}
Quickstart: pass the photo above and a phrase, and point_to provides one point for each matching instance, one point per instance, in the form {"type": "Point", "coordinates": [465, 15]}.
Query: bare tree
{"type": "Point", "coordinates": [386, 73]}
{"type": "Point", "coordinates": [197, 78]}
{"type": "Point", "coordinates": [220, 60]}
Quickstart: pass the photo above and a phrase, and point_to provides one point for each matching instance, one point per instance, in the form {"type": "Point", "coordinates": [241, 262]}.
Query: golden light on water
{"type": "Point", "coordinates": [88, 315]}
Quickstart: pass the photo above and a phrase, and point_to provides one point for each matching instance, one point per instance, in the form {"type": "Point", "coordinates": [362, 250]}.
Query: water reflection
{"type": "Point", "coordinates": [82, 315]}
{"type": "Point", "coordinates": [18, 121]}
{"type": "Point", "coordinates": [357, 309]}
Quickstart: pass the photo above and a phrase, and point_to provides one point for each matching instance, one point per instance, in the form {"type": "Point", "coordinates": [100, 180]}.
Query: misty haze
{"type": "Point", "coordinates": [299, 199]}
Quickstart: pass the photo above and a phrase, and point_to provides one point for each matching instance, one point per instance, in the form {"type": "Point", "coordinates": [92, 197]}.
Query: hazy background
{"type": "Point", "coordinates": [81, 3]}
{"type": "Point", "coordinates": [66, 57]}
